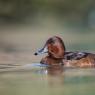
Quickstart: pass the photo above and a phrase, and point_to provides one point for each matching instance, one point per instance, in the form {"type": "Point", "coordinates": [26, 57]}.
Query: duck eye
{"type": "Point", "coordinates": [53, 48]}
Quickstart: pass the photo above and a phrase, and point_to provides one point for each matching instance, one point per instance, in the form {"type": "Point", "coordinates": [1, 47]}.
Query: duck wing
{"type": "Point", "coordinates": [75, 55]}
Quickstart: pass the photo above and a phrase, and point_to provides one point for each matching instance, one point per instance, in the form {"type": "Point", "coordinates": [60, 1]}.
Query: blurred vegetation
{"type": "Point", "coordinates": [73, 10]}
{"type": "Point", "coordinates": [24, 21]}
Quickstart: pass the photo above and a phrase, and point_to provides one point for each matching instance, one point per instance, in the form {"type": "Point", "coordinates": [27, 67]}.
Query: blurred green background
{"type": "Point", "coordinates": [25, 25]}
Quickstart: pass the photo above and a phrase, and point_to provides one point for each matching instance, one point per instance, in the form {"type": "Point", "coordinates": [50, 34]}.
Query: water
{"type": "Point", "coordinates": [37, 80]}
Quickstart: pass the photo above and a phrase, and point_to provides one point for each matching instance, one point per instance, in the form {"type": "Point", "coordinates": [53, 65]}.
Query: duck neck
{"type": "Point", "coordinates": [55, 58]}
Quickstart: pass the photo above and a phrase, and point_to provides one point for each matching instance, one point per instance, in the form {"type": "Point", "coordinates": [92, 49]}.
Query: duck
{"type": "Point", "coordinates": [58, 56]}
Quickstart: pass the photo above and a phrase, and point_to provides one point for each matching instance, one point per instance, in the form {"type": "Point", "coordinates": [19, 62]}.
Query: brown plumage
{"type": "Point", "coordinates": [57, 55]}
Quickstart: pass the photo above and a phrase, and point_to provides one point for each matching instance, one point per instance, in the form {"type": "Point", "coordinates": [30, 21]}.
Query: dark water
{"type": "Point", "coordinates": [46, 81]}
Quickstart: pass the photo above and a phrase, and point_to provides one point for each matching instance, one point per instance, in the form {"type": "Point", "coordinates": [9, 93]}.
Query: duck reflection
{"type": "Point", "coordinates": [55, 75]}
{"type": "Point", "coordinates": [55, 70]}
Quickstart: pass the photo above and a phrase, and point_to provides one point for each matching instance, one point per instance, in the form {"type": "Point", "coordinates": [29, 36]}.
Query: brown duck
{"type": "Point", "coordinates": [57, 55]}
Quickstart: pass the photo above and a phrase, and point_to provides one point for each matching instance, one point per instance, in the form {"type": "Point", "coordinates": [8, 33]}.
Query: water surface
{"type": "Point", "coordinates": [43, 81]}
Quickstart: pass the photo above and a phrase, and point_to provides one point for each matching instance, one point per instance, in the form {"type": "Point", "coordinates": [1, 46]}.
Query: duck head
{"type": "Point", "coordinates": [55, 49]}
{"type": "Point", "coordinates": [54, 46]}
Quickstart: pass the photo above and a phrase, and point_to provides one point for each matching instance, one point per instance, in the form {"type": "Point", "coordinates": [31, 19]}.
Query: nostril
{"type": "Point", "coordinates": [35, 53]}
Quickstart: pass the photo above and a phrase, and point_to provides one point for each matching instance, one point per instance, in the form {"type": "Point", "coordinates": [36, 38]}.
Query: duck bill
{"type": "Point", "coordinates": [41, 51]}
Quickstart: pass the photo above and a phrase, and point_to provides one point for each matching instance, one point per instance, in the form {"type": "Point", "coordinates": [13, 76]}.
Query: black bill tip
{"type": "Point", "coordinates": [35, 53]}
